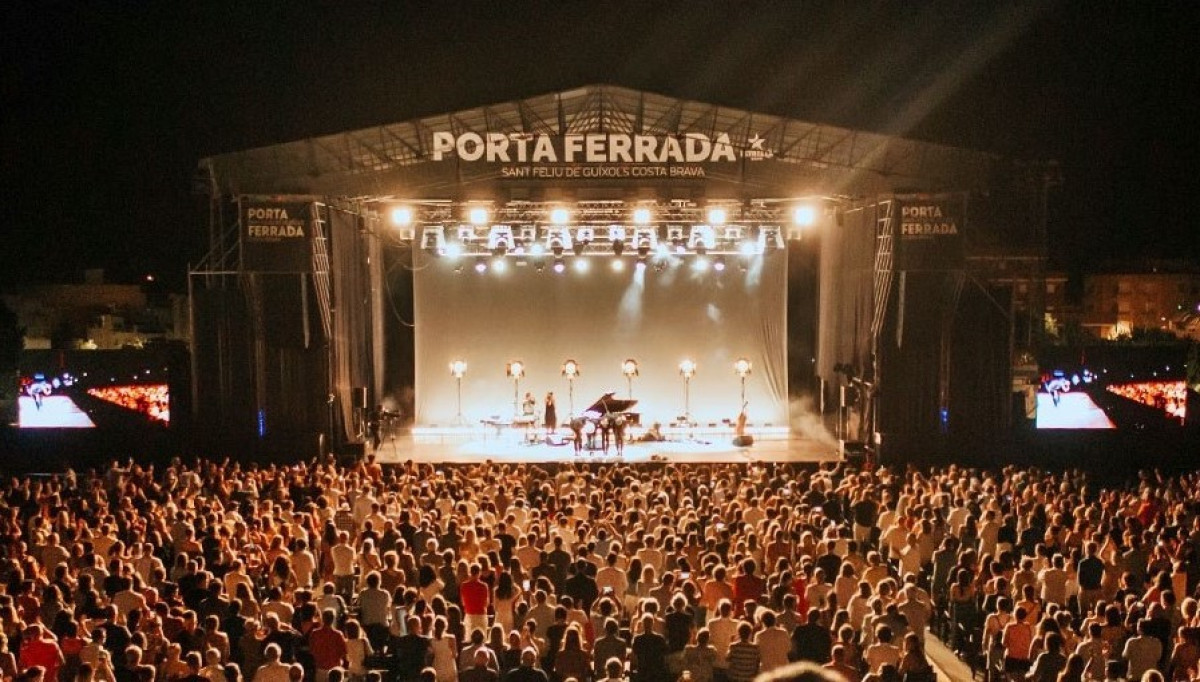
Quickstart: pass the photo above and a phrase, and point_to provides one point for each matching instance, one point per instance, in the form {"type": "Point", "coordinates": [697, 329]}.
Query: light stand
{"type": "Point", "coordinates": [687, 369]}
{"type": "Point", "coordinates": [515, 370]}
{"type": "Point", "coordinates": [742, 368]}
{"type": "Point", "coordinates": [630, 369]}
{"type": "Point", "coordinates": [457, 369]}
{"type": "Point", "coordinates": [570, 370]}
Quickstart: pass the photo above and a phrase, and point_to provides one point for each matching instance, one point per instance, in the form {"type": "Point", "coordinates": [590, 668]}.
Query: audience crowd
{"type": "Point", "coordinates": [594, 573]}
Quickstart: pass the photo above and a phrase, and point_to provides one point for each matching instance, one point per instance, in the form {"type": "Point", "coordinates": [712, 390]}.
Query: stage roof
{"type": "Point", "coordinates": [398, 158]}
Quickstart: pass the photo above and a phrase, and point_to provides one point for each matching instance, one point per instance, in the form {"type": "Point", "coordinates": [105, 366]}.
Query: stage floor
{"type": "Point", "coordinates": [472, 446]}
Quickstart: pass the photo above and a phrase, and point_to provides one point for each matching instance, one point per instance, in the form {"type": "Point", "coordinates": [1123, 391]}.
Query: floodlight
{"type": "Point", "coordinates": [478, 215]}
{"type": "Point", "coordinates": [717, 216]}
{"type": "Point", "coordinates": [559, 266]}
{"type": "Point", "coordinates": [458, 368]}
{"type": "Point", "coordinates": [481, 264]}
{"type": "Point", "coordinates": [402, 216]}
{"type": "Point", "coordinates": [560, 216]}
{"type": "Point", "coordinates": [641, 216]}
{"type": "Point", "coordinates": [804, 215]}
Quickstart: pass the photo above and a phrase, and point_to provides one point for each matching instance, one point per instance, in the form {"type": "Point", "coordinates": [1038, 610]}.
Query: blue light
{"type": "Point", "coordinates": [262, 423]}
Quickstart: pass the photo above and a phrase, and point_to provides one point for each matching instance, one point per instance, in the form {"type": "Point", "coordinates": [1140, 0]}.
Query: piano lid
{"type": "Point", "coordinates": [607, 404]}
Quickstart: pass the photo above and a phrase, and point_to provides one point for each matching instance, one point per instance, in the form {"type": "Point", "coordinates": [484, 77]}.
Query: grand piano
{"type": "Point", "coordinates": [609, 416]}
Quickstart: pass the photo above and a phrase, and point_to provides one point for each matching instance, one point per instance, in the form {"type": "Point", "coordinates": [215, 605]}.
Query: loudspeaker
{"type": "Point", "coordinates": [358, 397]}
{"type": "Point", "coordinates": [743, 441]}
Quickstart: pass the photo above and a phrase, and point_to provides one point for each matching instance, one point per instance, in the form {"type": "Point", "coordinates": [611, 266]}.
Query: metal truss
{"type": "Point", "coordinates": [369, 152]}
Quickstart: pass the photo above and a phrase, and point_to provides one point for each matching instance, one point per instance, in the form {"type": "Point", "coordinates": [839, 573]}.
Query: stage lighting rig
{"type": "Point", "coordinates": [616, 236]}
{"type": "Point", "coordinates": [433, 239]}
{"type": "Point", "coordinates": [500, 239]}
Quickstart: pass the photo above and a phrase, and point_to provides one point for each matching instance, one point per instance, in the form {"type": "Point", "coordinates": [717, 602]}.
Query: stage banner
{"type": "Point", "coordinates": [929, 232]}
{"type": "Point", "coordinates": [275, 236]}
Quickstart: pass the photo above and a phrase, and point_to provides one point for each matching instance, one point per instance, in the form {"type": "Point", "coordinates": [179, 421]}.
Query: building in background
{"type": "Point", "coordinates": [97, 315]}
{"type": "Point", "coordinates": [1116, 304]}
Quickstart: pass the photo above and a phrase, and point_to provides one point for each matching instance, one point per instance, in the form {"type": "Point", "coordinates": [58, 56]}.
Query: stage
{"type": "Point", "coordinates": [464, 445]}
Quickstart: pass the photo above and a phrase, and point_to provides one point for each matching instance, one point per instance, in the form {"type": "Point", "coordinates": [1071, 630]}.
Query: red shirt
{"type": "Point", "coordinates": [328, 647]}
{"type": "Point", "coordinates": [746, 588]}
{"type": "Point", "coordinates": [474, 596]}
{"type": "Point", "coordinates": [44, 653]}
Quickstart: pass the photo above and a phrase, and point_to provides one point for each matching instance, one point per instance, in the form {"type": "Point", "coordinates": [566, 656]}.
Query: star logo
{"type": "Point", "coordinates": [756, 142]}
{"type": "Point", "coordinates": [756, 151]}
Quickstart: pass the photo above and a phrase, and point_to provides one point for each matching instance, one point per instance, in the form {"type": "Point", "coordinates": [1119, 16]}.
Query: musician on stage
{"type": "Point", "coordinates": [606, 427]}
{"type": "Point", "coordinates": [619, 435]}
{"type": "Point", "coordinates": [577, 429]}
{"type": "Point", "coordinates": [550, 418]}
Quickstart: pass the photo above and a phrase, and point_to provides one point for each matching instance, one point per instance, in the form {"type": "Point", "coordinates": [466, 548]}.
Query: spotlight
{"type": "Point", "coordinates": [453, 249]}
{"type": "Point", "coordinates": [641, 265]}
{"type": "Point", "coordinates": [478, 216]}
{"type": "Point", "coordinates": [748, 248]}
{"type": "Point", "coordinates": [559, 265]}
{"type": "Point", "coordinates": [458, 368]}
{"type": "Point", "coordinates": [641, 216]}
{"type": "Point", "coordinates": [402, 216]}
{"type": "Point", "coordinates": [717, 216]}
{"type": "Point", "coordinates": [570, 369]}
{"type": "Point", "coordinates": [536, 249]}
{"type": "Point", "coordinates": [630, 367]}
{"type": "Point", "coordinates": [700, 264]}
{"type": "Point", "coordinates": [804, 215]}
{"type": "Point", "coordinates": [581, 265]}
{"type": "Point", "coordinates": [481, 264]}
{"type": "Point", "coordinates": [742, 367]}
{"type": "Point", "coordinates": [499, 264]}
{"type": "Point", "coordinates": [560, 216]}
{"type": "Point", "coordinates": [719, 264]}
{"type": "Point", "coordinates": [618, 265]}
{"type": "Point", "coordinates": [687, 369]}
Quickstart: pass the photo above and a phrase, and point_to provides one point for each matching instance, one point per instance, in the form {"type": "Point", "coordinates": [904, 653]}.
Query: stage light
{"type": "Point", "coordinates": [481, 264]}
{"type": "Point", "coordinates": [641, 216]}
{"type": "Point", "coordinates": [804, 215]}
{"type": "Point", "coordinates": [402, 216]}
{"type": "Point", "coordinates": [581, 265]}
{"type": "Point", "coordinates": [748, 248]}
{"type": "Point", "coordinates": [630, 369]}
{"type": "Point", "coordinates": [499, 264]}
{"type": "Point", "coordinates": [536, 249]}
{"type": "Point", "coordinates": [702, 238]}
{"type": "Point", "coordinates": [719, 264]}
{"type": "Point", "coordinates": [742, 367]}
{"type": "Point", "coordinates": [458, 368]}
{"type": "Point", "coordinates": [560, 216]}
{"type": "Point", "coordinates": [570, 370]}
{"type": "Point", "coordinates": [700, 264]}
{"type": "Point", "coordinates": [515, 370]}
{"type": "Point", "coordinates": [641, 265]}
{"type": "Point", "coordinates": [433, 239]}
{"type": "Point", "coordinates": [559, 265]}
{"type": "Point", "coordinates": [453, 249]}
{"type": "Point", "coordinates": [478, 216]}
{"type": "Point", "coordinates": [687, 369]}
{"type": "Point", "coordinates": [618, 265]}
{"type": "Point", "coordinates": [717, 216]}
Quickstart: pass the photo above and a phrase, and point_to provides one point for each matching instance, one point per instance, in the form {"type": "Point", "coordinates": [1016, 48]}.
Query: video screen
{"type": "Point", "coordinates": [1080, 399]}
{"type": "Point", "coordinates": [92, 389]}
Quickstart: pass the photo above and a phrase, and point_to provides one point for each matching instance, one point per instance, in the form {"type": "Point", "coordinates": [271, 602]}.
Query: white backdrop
{"type": "Point", "coordinates": [599, 318]}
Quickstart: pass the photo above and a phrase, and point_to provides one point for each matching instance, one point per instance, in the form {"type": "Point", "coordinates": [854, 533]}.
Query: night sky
{"type": "Point", "coordinates": [107, 107]}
